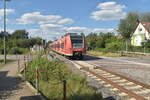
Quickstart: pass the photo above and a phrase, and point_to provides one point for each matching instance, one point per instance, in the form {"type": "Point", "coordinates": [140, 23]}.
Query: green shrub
{"type": "Point", "coordinates": [16, 50]}
{"type": "Point", "coordinates": [52, 74]}
{"type": "Point", "coordinates": [147, 44]}
{"type": "Point", "coordinates": [113, 47]}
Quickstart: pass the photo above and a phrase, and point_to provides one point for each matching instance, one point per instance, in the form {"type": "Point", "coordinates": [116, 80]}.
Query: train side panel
{"type": "Point", "coordinates": [72, 45]}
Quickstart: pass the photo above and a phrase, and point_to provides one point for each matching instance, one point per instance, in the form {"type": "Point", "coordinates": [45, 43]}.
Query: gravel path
{"type": "Point", "coordinates": [13, 87]}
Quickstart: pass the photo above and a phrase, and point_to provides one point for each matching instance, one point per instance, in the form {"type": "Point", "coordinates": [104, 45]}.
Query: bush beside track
{"type": "Point", "coordinates": [51, 76]}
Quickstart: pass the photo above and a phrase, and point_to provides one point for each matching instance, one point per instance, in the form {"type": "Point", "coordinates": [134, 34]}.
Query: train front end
{"type": "Point", "coordinates": [78, 45]}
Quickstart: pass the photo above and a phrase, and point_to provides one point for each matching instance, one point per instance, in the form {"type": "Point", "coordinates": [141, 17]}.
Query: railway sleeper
{"type": "Point", "coordinates": [107, 81]}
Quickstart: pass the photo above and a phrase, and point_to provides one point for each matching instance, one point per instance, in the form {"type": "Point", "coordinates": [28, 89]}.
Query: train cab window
{"type": "Point", "coordinates": [77, 41]}
{"type": "Point", "coordinates": [62, 45]}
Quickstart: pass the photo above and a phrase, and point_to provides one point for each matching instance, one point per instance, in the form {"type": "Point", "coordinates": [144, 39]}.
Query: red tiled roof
{"type": "Point", "coordinates": [146, 25]}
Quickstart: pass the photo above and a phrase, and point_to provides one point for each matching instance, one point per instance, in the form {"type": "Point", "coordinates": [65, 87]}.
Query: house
{"type": "Point", "coordinates": [37, 48]}
{"type": "Point", "coordinates": [141, 34]}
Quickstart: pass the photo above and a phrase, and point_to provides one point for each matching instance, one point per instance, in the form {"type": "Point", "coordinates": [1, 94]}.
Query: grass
{"type": "Point", "coordinates": [7, 61]}
{"type": "Point", "coordinates": [109, 54]}
{"type": "Point", "coordinates": [52, 74]}
{"type": "Point", "coordinates": [37, 53]}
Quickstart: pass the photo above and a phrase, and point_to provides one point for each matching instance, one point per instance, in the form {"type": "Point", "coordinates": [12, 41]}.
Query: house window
{"type": "Point", "coordinates": [140, 29]}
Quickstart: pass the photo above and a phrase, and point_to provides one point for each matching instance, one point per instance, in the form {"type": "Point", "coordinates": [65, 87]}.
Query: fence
{"type": "Point", "coordinates": [124, 53]}
{"type": "Point", "coordinates": [22, 65]}
{"type": "Point", "coordinates": [64, 83]}
{"type": "Point", "coordinates": [64, 89]}
{"type": "Point", "coordinates": [22, 62]}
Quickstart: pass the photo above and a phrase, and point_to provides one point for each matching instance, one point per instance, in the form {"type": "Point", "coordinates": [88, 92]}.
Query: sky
{"type": "Point", "coordinates": [50, 19]}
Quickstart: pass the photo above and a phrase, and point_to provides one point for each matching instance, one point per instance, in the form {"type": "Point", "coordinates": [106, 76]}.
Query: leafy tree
{"type": "Point", "coordinates": [19, 42]}
{"type": "Point", "coordinates": [114, 44]}
{"type": "Point", "coordinates": [146, 44]}
{"type": "Point", "coordinates": [15, 50]}
{"type": "Point", "coordinates": [102, 39]}
{"type": "Point", "coordinates": [100, 43]}
{"type": "Point", "coordinates": [36, 40]}
{"type": "Point", "coordinates": [146, 17]}
{"type": "Point", "coordinates": [91, 40]}
{"type": "Point", "coordinates": [20, 34]}
{"type": "Point", "coordinates": [127, 26]}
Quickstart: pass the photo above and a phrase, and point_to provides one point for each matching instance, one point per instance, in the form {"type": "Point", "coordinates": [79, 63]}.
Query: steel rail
{"type": "Point", "coordinates": [115, 85]}
{"type": "Point", "coordinates": [124, 77]}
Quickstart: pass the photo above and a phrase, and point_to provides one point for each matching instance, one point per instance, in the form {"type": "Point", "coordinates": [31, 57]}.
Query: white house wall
{"type": "Point", "coordinates": [139, 36]}
{"type": "Point", "coordinates": [140, 32]}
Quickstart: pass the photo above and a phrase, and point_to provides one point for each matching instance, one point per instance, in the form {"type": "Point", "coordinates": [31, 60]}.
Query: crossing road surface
{"type": "Point", "coordinates": [136, 68]}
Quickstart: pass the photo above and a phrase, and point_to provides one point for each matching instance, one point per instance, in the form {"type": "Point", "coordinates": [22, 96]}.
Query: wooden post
{"type": "Point", "coordinates": [18, 65]}
{"type": "Point", "coordinates": [27, 59]}
{"type": "Point", "coordinates": [24, 68]}
{"type": "Point", "coordinates": [37, 81]}
{"type": "Point", "coordinates": [65, 90]}
{"type": "Point", "coordinates": [126, 45]}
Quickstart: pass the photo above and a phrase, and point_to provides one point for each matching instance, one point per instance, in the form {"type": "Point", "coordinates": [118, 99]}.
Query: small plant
{"type": "Point", "coordinates": [52, 74]}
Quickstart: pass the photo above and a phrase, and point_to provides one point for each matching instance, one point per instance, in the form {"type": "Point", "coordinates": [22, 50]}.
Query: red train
{"type": "Point", "coordinates": [72, 45]}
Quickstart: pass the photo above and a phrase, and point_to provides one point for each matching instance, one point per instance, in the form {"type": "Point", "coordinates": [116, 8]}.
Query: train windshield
{"type": "Point", "coordinates": [77, 41]}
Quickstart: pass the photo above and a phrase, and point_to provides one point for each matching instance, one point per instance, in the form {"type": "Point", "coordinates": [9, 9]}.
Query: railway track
{"type": "Point", "coordinates": [126, 88]}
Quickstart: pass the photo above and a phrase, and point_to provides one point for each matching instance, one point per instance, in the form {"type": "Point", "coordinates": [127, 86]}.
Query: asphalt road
{"type": "Point", "coordinates": [135, 68]}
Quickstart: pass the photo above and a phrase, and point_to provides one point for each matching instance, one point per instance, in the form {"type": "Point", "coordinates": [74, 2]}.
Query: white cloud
{"type": "Point", "coordinates": [45, 34]}
{"type": "Point", "coordinates": [109, 11]}
{"type": "Point", "coordinates": [88, 30]}
{"type": "Point", "coordinates": [8, 11]}
{"type": "Point", "coordinates": [78, 29]}
{"type": "Point", "coordinates": [38, 18]}
{"type": "Point", "coordinates": [8, 30]}
{"type": "Point", "coordinates": [52, 27]}
{"type": "Point", "coordinates": [98, 30]}
{"type": "Point", "coordinates": [55, 31]}
{"type": "Point", "coordinates": [66, 21]}
{"type": "Point", "coordinates": [48, 31]}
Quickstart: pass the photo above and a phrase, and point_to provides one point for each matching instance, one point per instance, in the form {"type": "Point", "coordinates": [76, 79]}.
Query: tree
{"type": "Point", "coordinates": [145, 17]}
{"type": "Point", "coordinates": [95, 41]}
{"type": "Point", "coordinates": [91, 40]}
{"type": "Point", "coordinates": [20, 34]}
{"type": "Point", "coordinates": [146, 44]}
{"type": "Point", "coordinates": [127, 26]}
{"type": "Point", "coordinates": [102, 39]}
{"type": "Point", "coordinates": [35, 40]}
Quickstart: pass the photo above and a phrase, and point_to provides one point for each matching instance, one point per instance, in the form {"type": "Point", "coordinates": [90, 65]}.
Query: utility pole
{"type": "Point", "coordinates": [5, 30]}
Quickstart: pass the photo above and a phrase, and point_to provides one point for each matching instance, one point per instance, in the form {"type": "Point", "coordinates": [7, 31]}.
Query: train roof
{"type": "Point", "coordinates": [73, 34]}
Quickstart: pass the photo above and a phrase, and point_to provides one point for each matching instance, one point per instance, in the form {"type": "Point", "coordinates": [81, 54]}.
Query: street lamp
{"type": "Point", "coordinates": [5, 30]}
